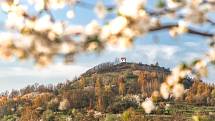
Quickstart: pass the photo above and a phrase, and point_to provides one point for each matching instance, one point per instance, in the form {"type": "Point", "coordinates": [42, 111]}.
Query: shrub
{"type": "Point", "coordinates": [64, 105]}
{"type": "Point", "coordinates": [53, 104]}
{"type": "Point", "coordinates": [131, 115]}
{"type": "Point", "coordinates": [48, 115]}
{"type": "Point", "coordinates": [121, 106]}
{"type": "Point", "coordinates": [111, 117]}
{"type": "Point", "coordinates": [9, 118]}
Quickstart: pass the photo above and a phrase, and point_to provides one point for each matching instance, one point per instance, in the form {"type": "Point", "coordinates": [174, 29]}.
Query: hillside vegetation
{"type": "Point", "coordinates": [109, 92]}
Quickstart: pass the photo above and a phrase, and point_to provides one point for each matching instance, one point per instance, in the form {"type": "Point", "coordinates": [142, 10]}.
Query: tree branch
{"type": "Point", "coordinates": [158, 13]}
{"type": "Point", "coordinates": [190, 30]}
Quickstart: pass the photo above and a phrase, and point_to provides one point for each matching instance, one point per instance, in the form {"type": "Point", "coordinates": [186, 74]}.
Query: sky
{"type": "Point", "coordinates": [151, 48]}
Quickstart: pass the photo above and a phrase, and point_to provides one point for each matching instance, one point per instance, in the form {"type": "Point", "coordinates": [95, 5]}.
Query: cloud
{"type": "Point", "coordinates": [146, 53]}
{"type": "Point", "coordinates": [153, 52]}
{"type": "Point", "coordinates": [52, 70]}
{"type": "Point", "coordinates": [191, 44]}
{"type": "Point", "coordinates": [17, 77]}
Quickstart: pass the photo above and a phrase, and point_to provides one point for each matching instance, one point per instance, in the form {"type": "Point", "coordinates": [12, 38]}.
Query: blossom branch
{"type": "Point", "coordinates": [190, 30]}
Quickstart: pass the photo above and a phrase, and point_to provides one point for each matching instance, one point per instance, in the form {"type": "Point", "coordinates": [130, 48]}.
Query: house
{"type": "Point", "coordinates": [123, 59]}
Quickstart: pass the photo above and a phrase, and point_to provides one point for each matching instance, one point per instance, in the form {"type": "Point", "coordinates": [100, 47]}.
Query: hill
{"type": "Point", "coordinates": [107, 92]}
{"type": "Point", "coordinates": [119, 67]}
{"type": "Point", "coordinates": [149, 73]}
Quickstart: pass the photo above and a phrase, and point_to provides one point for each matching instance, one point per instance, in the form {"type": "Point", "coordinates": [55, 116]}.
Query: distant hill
{"type": "Point", "coordinates": [151, 75]}
{"type": "Point", "coordinates": [150, 72]}
{"type": "Point", "coordinates": [103, 89]}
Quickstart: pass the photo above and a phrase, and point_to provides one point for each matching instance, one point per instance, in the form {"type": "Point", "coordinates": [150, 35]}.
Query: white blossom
{"type": "Point", "coordinates": [43, 24]}
{"type": "Point", "coordinates": [173, 4]}
{"type": "Point", "coordinates": [73, 30]}
{"type": "Point", "coordinates": [42, 48]}
{"type": "Point", "coordinates": [178, 90]}
{"type": "Point", "coordinates": [164, 90]}
{"type": "Point", "coordinates": [39, 5]}
{"type": "Point", "coordinates": [200, 64]}
{"type": "Point", "coordinates": [57, 4]}
{"type": "Point", "coordinates": [29, 23]}
{"type": "Point", "coordinates": [173, 32]}
{"type": "Point", "coordinates": [212, 54]}
{"type": "Point", "coordinates": [182, 27]}
{"type": "Point", "coordinates": [5, 37]}
{"type": "Point", "coordinates": [201, 67]}
{"type": "Point", "coordinates": [154, 21]}
{"type": "Point", "coordinates": [176, 70]}
{"type": "Point", "coordinates": [92, 46]}
{"type": "Point", "coordinates": [130, 8]}
{"type": "Point", "coordinates": [66, 48]}
{"type": "Point", "coordinates": [15, 21]}
{"type": "Point", "coordinates": [92, 28]}
{"type": "Point", "coordinates": [105, 32]}
{"type": "Point", "coordinates": [9, 7]}
{"type": "Point", "coordinates": [172, 79]}
{"type": "Point", "coordinates": [52, 35]}
{"type": "Point", "coordinates": [124, 42]}
{"type": "Point", "coordinates": [5, 6]}
{"type": "Point", "coordinates": [148, 105]}
{"type": "Point", "coordinates": [128, 33]}
{"type": "Point", "coordinates": [167, 106]}
{"type": "Point", "coordinates": [24, 41]}
{"type": "Point", "coordinates": [58, 28]}
{"type": "Point", "coordinates": [118, 24]}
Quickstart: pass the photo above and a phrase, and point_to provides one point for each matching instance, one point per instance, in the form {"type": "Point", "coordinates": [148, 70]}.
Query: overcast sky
{"type": "Point", "coordinates": [154, 47]}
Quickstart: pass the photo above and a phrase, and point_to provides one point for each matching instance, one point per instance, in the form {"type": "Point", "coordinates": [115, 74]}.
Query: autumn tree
{"type": "Point", "coordinates": [29, 114]}
{"type": "Point", "coordinates": [142, 81]}
{"type": "Point", "coordinates": [82, 83]}
{"type": "Point", "coordinates": [122, 86]}
{"type": "Point", "coordinates": [108, 95]}
{"type": "Point", "coordinates": [99, 95]}
{"type": "Point", "coordinates": [213, 93]}
{"type": "Point", "coordinates": [98, 87]}
{"type": "Point", "coordinates": [200, 93]}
